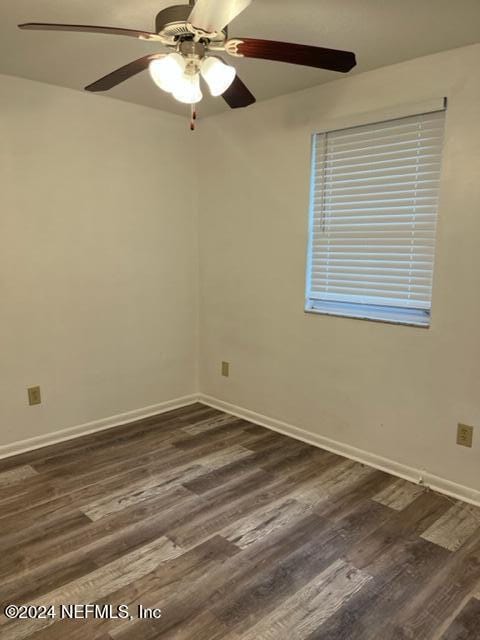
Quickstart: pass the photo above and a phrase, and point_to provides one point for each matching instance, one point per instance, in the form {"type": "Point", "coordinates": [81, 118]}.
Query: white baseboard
{"type": "Point", "coordinates": [398, 469]}
{"type": "Point", "coordinates": [55, 437]}
{"type": "Point", "coordinates": [392, 467]}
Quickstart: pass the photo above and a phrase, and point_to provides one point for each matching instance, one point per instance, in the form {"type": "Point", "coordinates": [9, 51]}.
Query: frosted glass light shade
{"type": "Point", "coordinates": [218, 75]}
{"type": "Point", "coordinates": [167, 72]}
{"type": "Point", "coordinates": [187, 89]}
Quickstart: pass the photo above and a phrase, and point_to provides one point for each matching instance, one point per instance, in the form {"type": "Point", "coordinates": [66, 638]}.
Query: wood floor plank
{"type": "Point", "coordinates": [257, 593]}
{"type": "Point", "coordinates": [155, 589]}
{"type": "Point", "coordinates": [403, 526]}
{"type": "Point", "coordinates": [247, 494]}
{"type": "Point", "coordinates": [262, 523]}
{"type": "Point", "coordinates": [467, 624]}
{"type": "Point", "coordinates": [399, 494]}
{"type": "Point", "coordinates": [81, 489]}
{"type": "Point", "coordinates": [310, 607]}
{"type": "Point", "coordinates": [232, 429]}
{"type": "Point", "coordinates": [209, 424]}
{"type": "Point", "coordinates": [116, 446]}
{"type": "Point", "coordinates": [229, 503]}
{"type": "Point", "coordinates": [299, 456]}
{"type": "Point", "coordinates": [16, 474]}
{"type": "Point", "coordinates": [454, 527]}
{"type": "Point", "coordinates": [447, 587]}
{"type": "Point", "coordinates": [155, 485]}
{"type": "Point", "coordinates": [261, 457]}
{"type": "Point", "coordinates": [11, 543]}
{"type": "Point", "coordinates": [86, 444]}
{"type": "Point", "coordinates": [178, 589]}
{"type": "Point", "coordinates": [335, 480]}
{"type": "Point", "coordinates": [214, 586]}
{"type": "Point", "coordinates": [97, 543]}
{"type": "Point", "coordinates": [95, 585]}
{"type": "Point", "coordinates": [202, 627]}
{"type": "Point", "coordinates": [25, 589]}
{"type": "Point", "coordinates": [347, 499]}
{"type": "Point", "coordinates": [397, 577]}
{"type": "Point", "coordinates": [265, 590]}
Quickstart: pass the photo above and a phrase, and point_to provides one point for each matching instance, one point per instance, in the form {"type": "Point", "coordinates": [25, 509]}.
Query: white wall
{"type": "Point", "coordinates": [98, 258]}
{"type": "Point", "coordinates": [394, 391]}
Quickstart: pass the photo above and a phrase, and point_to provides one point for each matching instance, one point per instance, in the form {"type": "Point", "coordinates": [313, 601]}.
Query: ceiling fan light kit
{"type": "Point", "coordinates": [179, 73]}
{"type": "Point", "coordinates": [192, 37]}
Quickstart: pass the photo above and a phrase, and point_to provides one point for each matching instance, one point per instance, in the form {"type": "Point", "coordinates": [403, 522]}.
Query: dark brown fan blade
{"type": "Point", "coordinates": [114, 31]}
{"type": "Point", "coordinates": [318, 57]}
{"type": "Point", "coordinates": [238, 95]}
{"type": "Point", "coordinates": [124, 73]}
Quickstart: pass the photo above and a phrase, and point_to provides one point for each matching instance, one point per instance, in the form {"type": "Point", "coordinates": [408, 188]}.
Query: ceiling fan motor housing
{"type": "Point", "coordinates": [172, 23]}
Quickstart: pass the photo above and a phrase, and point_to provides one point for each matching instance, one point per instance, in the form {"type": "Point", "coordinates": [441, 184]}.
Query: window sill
{"type": "Point", "coordinates": [405, 317]}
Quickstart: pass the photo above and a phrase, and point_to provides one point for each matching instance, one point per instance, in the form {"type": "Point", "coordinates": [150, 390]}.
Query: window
{"type": "Point", "coordinates": [373, 218]}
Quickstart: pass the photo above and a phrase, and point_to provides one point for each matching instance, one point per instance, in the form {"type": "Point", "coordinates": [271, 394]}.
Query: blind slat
{"type": "Point", "coordinates": [406, 303]}
{"type": "Point", "coordinates": [386, 184]}
{"type": "Point", "coordinates": [380, 195]}
{"type": "Point", "coordinates": [389, 153]}
{"type": "Point", "coordinates": [398, 126]}
{"type": "Point", "coordinates": [428, 133]}
{"type": "Point", "coordinates": [385, 173]}
{"type": "Point", "coordinates": [347, 224]}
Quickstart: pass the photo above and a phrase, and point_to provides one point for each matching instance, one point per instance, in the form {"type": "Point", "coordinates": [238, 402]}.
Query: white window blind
{"type": "Point", "coordinates": [373, 219]}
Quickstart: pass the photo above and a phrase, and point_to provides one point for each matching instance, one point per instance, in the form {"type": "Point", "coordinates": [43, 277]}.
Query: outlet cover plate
{"type": "Point", "coordinates": [34, 396]}
{"type": "Point", "coordinates": [465, 435]}
{"type": "Point", "coordinates": [225, 369]}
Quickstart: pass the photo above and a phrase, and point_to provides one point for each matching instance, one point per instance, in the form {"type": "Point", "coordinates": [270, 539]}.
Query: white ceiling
{"type": "Point", "coordinates": [381, 32]}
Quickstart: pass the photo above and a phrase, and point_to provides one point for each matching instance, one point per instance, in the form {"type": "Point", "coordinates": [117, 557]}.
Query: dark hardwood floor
{"type": "Point", "coordinates": [235, 533]}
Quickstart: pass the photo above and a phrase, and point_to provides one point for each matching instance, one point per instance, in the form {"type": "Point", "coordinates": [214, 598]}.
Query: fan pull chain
{"type": "Point", "coordinates": [193, 117]}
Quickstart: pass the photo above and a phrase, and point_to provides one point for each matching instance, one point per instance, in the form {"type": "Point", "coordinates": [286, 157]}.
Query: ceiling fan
{"type": "Point", "coordinates": [192, 36]}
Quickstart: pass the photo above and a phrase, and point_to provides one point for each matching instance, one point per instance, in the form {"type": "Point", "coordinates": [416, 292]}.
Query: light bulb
{"type": "Point", "coordinates": [166, 72]}
{"type": "Point", "coordinates": [187, 89]}
{"type": "Point", "coordinates": [218, 75]}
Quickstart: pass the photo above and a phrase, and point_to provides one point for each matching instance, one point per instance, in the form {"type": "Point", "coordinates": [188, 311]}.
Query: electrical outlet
{"type": "Point", "coordinates": [225, 369]}
{"type": "Point", "coordinates": [34, 396]}
{"type": "Point", "coordinates": [465, 435]}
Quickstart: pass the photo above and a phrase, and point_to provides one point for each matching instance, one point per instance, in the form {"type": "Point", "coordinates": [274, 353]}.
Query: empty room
{"type": "Point", "coordinates": [240, 320]}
